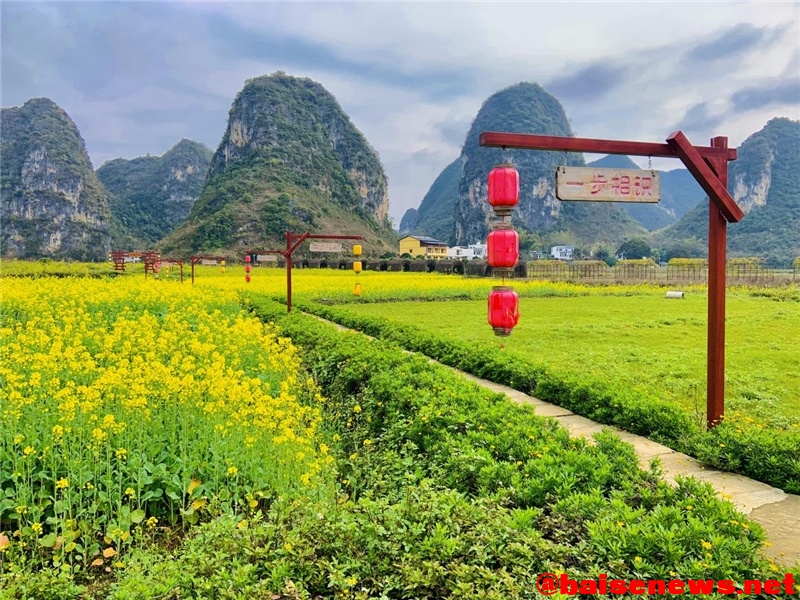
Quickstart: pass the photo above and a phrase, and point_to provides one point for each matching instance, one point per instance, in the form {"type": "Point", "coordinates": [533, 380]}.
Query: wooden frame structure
{"type": "Point", "coordinates": [709, 166]}
{"type": "Point", "coordinates": [293, 242]}
{"type": "Point", "coordinates": [197, 259]}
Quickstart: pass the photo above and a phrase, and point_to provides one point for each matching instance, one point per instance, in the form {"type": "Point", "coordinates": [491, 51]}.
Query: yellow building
{"type": "Point", "coordinates": [419, 245]}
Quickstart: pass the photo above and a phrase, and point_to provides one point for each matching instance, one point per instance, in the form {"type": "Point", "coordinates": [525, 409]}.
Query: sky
{"type": "Point", "coordinates": [136, 77]}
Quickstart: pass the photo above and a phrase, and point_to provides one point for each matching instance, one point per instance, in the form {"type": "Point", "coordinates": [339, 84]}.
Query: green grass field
{"type": "Point", "coordinates": [644, 342]}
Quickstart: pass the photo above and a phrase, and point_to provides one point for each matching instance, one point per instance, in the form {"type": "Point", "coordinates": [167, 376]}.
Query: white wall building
{"type": "Point", "coordinates": [459, 252]}
{"type": "Point", "coordinates": [478, 250]}
{"type": "Point", "coordinates": [467, 252]}
{"type": "Point", "coordinates": [562, 252]}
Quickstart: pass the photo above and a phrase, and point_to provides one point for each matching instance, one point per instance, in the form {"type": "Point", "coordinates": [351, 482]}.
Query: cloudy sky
{"type": "Point", "coordinates": [137, 77]}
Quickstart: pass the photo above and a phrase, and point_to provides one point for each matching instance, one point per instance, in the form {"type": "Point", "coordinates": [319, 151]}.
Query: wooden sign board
{"type": "Point", "coordinates": [266, 258]}
{"type": "Point", "coordinates": [325, 247]}
{"type": "Point", "coordinates": [589, 184]}
{"type": "Point", "coordinates": [208, 262]}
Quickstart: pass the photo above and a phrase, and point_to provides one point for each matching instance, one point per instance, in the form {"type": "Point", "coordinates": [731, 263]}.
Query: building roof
{"type": "Point", "coordinates": [427, 240]}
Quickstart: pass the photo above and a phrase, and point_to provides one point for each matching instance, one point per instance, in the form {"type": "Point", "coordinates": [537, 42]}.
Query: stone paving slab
{"type": "Point", "coordinates": [578, 426]}
{"type": "Point", "coordinates": [781, 521]}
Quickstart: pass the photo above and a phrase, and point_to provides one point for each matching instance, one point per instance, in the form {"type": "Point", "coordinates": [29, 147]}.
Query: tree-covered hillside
{"type": "Point", "coordinates": [289, 159]}
{"type": "Point", "coordinates": [436, 214]}
{"type": "Point", "coordinates": [151, 195]}
{"type": "Point", "coordinates": [765, 182]}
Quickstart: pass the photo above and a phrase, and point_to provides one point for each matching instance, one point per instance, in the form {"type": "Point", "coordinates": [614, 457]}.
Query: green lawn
{"type": "Point", "coordinates": [645, 342]}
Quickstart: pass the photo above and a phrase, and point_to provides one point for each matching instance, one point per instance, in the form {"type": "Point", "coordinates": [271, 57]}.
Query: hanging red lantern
{"type": "Point", "coordinates": [247, 268]}
{"type": "Point", "coordinates": [503, 310]}
{"type": "Point", "coordinates": [503, 189]}
{"type": "Point", "coordinates": [502, 250]}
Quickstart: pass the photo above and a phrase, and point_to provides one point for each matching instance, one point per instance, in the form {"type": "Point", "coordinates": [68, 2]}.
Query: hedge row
{"type": "Point", "coordinates": [736, 445]}
{"type": "Point", "coordinates": [402, 421]}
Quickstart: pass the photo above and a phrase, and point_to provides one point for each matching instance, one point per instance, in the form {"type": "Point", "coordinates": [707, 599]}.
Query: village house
{"type": "Point", "coordinates": [420, 245]}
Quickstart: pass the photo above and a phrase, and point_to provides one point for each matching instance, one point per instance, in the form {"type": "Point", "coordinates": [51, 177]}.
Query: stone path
{"type": "Point", "coordinates": [775, 510]}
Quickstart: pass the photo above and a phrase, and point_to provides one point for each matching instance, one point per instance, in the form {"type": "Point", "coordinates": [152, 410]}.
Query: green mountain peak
{"type": "Point", "coordinates": [52, 203]}
{"type": "Point", "coordinates": [290, 158]}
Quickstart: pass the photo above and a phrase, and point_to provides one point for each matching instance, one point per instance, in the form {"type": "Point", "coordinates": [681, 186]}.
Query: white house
{"type": "Point", "coordinates": [459, 252]}
{"type": "Point", "coordinates": [562, 252]}
{"type": "Point", "coordinates": [467, 252]}
{"type": "Point", "coordinates": [478, 250]}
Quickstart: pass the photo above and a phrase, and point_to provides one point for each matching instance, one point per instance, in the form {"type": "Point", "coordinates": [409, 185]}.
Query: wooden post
{"type": "Point", "coordinates": [717, 243]}
{"type": "Point", "coordinates": [288, 257]}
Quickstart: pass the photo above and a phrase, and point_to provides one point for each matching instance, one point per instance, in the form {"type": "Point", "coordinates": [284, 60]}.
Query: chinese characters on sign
{"type": "Point", "coordinates": [325, 247]}
{"type": "Point", "coordinates": [590, 184]}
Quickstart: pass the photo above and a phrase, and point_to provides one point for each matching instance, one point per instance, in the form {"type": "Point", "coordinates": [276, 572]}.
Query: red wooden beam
{"type": "Point", "coordinates": [526, 141]}
{"type": "Point", "coordinates": [705, 176]}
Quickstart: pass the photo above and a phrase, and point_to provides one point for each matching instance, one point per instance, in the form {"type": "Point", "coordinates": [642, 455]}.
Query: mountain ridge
{"type": "Point", "coordinates": [765, 182]}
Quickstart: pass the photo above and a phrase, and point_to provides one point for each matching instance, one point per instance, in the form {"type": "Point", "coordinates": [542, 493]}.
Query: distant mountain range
{"type": "Point", "coordinates": [455, 206]}
{"type": "Point", "coordinates": [764, 180]}
{"type": "Point", "coordinates": [290, 158]}
{"type": "Point", "coordinates": [679, 194]}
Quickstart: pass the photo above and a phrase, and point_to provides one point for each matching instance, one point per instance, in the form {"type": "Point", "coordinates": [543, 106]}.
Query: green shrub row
{"type": "Point", "coordinates": [401, 420]}
{"type": "Point", "coordinates": [752, 449]}
{"type": "Point", "coordinates": [445, 490]}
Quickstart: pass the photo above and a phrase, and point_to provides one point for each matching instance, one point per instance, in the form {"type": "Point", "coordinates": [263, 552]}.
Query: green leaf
{"type": "Point", "coordinates": [137, 516]}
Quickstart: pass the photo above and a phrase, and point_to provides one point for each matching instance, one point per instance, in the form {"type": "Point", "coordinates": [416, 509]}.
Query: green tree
{"type": "Point", "coordinates": [604, 254]}
{"type": "Point", "coordinates": [634, 248]}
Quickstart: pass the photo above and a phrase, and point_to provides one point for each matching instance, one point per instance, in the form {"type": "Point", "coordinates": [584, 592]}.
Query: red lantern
{"type": "Point", "coordinates": [503, 310]}
{"type": "Point", "coordinates": [247, 267]}
{"type": "Point", "coordinates": [503, 189]}
{"type": "Point", "coordinates": [502, 250]}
